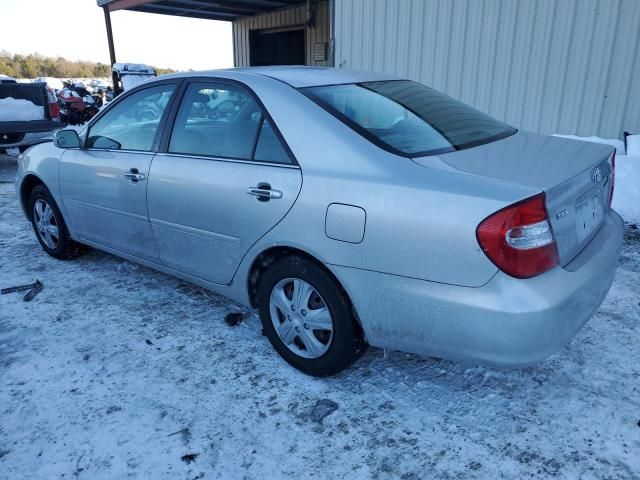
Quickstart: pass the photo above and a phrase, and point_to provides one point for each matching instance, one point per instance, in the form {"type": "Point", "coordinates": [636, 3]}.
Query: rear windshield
{"type": "Point", "coordinates": [408, 118]}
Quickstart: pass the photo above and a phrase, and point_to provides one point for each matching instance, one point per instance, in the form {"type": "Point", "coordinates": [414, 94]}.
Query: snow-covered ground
{"type": "Point", "coordinates": [118, 371]}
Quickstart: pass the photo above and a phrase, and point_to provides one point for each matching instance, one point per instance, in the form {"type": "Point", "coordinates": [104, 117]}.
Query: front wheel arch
{"type": "Point", "coordinates": [29, 182]}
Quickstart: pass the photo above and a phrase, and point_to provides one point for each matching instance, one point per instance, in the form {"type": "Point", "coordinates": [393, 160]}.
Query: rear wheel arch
{"type": "Point", "coordinates": [268, 256]}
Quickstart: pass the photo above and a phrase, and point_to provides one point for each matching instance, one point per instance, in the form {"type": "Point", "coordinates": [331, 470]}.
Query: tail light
{"type": "Point", "coordinates": [519, 240]}
{"type": "Point", "coordinates": [54, 109]}
{"type": "Point", "coordinates": [613, 176]}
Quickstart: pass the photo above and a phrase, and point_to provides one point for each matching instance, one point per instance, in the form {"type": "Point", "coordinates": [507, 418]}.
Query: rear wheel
{"type": "Point", "coordinates": [308, 318]}
{"type": "Point", "coordinates": [49, 226]}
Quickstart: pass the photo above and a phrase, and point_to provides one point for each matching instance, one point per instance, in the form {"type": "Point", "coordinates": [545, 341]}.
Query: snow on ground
{"type": "Point", "coordinates": [626, 196]}
{"type": "Point", "coordinates": [18, 109]}
{"type": "Point", "coordinates": [117, 371]}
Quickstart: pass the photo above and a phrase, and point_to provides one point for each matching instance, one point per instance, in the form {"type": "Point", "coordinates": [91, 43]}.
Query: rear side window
{"type": "Point", "coordinates": [133, 122]}
{"type": "Point", "coordinates": [224, 121]}
{"type": "Point", "coordinates": [269, 148]}
{"type": "Point", "coordinates": [408, 118]}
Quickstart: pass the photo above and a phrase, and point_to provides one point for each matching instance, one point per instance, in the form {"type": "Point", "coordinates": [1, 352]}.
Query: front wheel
{"type": "Point", "coordinates": [49, 226]}
{"type": "Point", "coordinates": [308, 318]}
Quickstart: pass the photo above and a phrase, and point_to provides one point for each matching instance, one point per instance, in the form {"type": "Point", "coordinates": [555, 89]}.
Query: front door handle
{"type": "Point", "coordinates": [264, 192]}
{"type": "Point", "coordinates": [134, 175]}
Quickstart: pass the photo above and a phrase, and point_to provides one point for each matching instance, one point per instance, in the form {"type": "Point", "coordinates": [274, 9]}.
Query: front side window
{"type": "Point", "coordinates": [133, 122]}
{"type": "Point", "coordinates": [218, 121]}
{"type": "Point", "coordinates": [408, 118]}
{"type": "Point", "coordinates": [224, 121]}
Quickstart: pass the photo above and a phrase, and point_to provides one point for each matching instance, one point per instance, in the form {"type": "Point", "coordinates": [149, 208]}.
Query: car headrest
{"type": "Point", "coordinates": [200, 98]}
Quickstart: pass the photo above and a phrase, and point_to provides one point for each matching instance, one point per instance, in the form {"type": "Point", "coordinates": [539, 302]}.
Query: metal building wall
{"type": "Point", "coordinates": [287, 17]}
{"type": "Point", "coordinates": [551, 66]}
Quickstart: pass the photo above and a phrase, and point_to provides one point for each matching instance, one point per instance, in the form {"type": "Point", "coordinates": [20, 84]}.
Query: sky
{"type": "Point", "coordinates": [75, 29]}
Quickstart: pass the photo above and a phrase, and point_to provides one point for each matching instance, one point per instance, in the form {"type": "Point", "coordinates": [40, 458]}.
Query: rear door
{"type": "Point", "coordinates": [104, 185]}
{"type": "Point", "coordinates": [224, 179]}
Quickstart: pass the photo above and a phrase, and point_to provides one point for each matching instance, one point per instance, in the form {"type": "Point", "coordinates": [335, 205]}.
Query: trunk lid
{"type": "Point", "coordinates": [575, 175]}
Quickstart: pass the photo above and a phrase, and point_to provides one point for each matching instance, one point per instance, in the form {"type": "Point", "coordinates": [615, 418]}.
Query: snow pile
{"type": "Point", "coordinates": [626, 196]}
{"type": "Point", "coordinates": [633, 145]}
{"type": "Point", "coordinates": [17, 109]}
{"type": "Point", "coordinates": [53, 83]}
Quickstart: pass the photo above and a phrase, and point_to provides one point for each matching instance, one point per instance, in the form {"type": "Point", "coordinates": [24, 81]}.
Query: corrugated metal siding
{"type": "Point", "coordinates": [551, 66]}
{"type": "Point", "coordinates": [283, 18]}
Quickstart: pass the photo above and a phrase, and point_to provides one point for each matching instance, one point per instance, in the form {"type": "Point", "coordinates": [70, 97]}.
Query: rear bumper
{"type": "Point", "coordinates": [508, 321]}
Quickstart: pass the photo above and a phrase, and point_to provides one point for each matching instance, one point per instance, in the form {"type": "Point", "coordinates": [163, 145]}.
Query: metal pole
{"type": "Point", "coordinates": [332, 27]}
{"type": "Point", "coordinates": [112, 50]}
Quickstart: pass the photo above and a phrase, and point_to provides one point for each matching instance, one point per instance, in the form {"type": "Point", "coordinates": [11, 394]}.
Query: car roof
{"type": "Point", "coordinates": [300, 76]}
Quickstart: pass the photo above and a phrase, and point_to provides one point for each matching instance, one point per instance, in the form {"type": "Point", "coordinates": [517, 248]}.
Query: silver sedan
{"type": "Point", "coordinates": [349, 208]}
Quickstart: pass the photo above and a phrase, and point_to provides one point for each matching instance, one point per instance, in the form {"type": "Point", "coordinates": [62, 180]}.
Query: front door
{"type": "Point", "coordinates": [104, 185]}
{"type": "Point", "coordinates": [225, 180]}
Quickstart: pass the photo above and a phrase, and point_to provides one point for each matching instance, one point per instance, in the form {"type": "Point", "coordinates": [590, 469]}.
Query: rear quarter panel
{"type": "Point", "coordinates": [420, 222]}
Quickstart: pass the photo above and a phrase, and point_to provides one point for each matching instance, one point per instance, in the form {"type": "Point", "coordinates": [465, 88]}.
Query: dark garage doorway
{"type": "Point", "coordinates": [277, 47]}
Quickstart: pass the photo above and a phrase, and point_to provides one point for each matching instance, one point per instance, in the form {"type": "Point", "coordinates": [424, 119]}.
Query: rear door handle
{"type": "Point", "coordinates": [264, 192]}
{"type": "Point", "coordinates": [134, 175]}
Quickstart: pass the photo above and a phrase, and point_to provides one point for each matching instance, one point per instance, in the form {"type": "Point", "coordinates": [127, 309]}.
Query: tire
{"type": "Point", "coordinates": [42, 220]}
{"type": "Point", "coordinates": [325, 352]}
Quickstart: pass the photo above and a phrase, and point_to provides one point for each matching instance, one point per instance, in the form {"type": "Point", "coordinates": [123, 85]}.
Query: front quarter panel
{"type": "Point", "coordinates": [43, 162]}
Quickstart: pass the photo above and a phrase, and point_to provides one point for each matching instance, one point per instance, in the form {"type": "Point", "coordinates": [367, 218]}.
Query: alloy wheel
{"type": "Point", "coordinates": [301, 318]}
{"type": "Point", "coordinates": [46, 224]}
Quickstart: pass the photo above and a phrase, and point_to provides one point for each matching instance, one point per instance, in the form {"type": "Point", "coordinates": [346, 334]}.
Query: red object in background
{"type": "Point", "coordinates": [54, 108]}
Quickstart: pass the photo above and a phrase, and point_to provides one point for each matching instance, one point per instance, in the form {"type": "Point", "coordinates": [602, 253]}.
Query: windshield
{"type": "Point", "coordinates": [408, 118]}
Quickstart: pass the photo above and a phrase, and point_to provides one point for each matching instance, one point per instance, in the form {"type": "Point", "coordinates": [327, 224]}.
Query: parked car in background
{"type": "Point", "coordinates": [29, 114]}
{"type": "Point", "coordinates": [97, 85]}
{"type": "Point", "coordinates": [128, 75]}
{"type": "Point", "coordinates": [99, 89]}
{"type": "Point", "coordinates": [422, 224]}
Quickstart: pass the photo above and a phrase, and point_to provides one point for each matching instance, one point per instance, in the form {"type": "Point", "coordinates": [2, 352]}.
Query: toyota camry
{"type": "Point", "coordinates": [349, 208]}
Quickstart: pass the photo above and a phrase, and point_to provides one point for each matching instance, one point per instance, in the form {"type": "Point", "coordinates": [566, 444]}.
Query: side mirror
{"type": "Point", "coordinates": [66, 139]}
